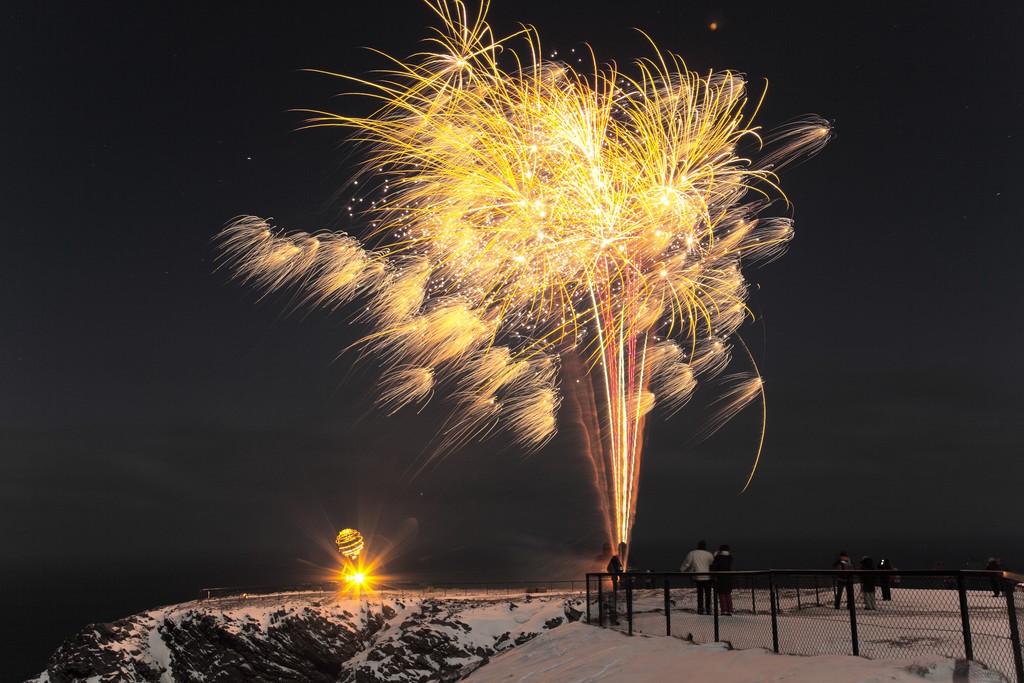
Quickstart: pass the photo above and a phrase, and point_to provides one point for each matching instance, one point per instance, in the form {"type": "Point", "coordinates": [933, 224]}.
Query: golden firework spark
{"type": "Point", "coordinates": [530, 211]}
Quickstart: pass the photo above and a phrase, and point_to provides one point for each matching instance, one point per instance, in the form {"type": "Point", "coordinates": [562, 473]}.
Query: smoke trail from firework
{"type": "Point", "coordinates": [538, 212]}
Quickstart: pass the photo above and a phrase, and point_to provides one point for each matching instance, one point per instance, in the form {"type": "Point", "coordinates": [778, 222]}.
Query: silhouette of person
{"type": "Point", "coordinates": [723, 563]}
{"type": "Point", "coordinates": [883, 579]}
{"type": "Point", "coordinates": [842, 563]}
{"type": "Point", "coordinates": [994, 565]}
{"type": "Point", "coordinates": [614, 569]}
{"type": "Point", "coordinates": [868, 583]}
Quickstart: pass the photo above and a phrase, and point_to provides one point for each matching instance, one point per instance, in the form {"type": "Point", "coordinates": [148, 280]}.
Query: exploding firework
{"type": "Point", "coordinates": [530, 213]}
{"type": "Point", "coordinates": [350, 543]}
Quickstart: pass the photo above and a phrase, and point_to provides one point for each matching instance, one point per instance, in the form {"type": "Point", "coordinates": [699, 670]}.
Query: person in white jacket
{"type": "Point", "coordinates": [699, 560]}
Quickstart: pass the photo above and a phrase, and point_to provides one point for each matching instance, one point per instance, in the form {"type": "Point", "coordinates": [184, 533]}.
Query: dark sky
{"type": "Point", "coordinates": [162, 429]}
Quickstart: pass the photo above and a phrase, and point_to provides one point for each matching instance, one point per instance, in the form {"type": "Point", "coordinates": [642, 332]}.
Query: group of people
{"type": "Point", "coordinates": [871, 581]}
{"type": "Point", "coordinates": [700, 561]}
{"type": "Point", "coordinates": [704, 565]}
{"type": "Point", "coordinates": [868, 582]}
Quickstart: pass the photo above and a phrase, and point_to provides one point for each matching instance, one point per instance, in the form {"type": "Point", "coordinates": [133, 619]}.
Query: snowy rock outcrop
{"type": "Point", "coordinates": [301, 637]}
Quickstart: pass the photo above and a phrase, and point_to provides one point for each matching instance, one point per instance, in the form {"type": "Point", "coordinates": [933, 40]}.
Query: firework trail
{"type": "Point", "coordinates": [532, 212]}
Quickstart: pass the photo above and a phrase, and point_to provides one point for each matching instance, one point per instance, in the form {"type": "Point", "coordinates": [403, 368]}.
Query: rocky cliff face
{"type": "Point", "coordinates": [306, 637]}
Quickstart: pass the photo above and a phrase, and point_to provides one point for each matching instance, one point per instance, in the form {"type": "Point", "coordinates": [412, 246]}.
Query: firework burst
{"type": "Point", "coordinates": [532, 211]}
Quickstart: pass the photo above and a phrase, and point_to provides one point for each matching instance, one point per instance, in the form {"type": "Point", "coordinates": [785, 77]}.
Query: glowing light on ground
{"type": "Point", "coordinates": [359, 576]}
{"type": "Point", "coordinates": [526, 213]}
{"type": "Point", "coordinates": [357, 573]}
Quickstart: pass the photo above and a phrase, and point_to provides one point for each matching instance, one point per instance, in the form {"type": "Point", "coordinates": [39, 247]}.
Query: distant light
{"type": "Point", "coordinates": [713, 26]}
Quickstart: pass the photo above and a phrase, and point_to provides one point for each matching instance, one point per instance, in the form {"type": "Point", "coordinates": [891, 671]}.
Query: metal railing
{"type": "Point", "coordinates": [971, 615]}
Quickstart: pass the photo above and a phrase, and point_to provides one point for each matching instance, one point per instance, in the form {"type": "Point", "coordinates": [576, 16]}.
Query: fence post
{"type": "Point", "coordinates": [753, 598]}
{"type": "Point", "coordinates": [773, 602]}
{"type": "Point", "coordinates": [1011, 612]}
{"type": "Point", "coordinates": [629, 600]}
{"type": "Point", "coordinates": [588, 599]}
{"type": "Point", "coordinates": [851, 602]}
{"type": "Point", "coordinates": [600, 600]}
{"type": "Point", "coordinates": [965, 620]}
{"type": "Point", "coordinates": [668, 609]}
{"type": "Point", "coordinates": [714, 599]}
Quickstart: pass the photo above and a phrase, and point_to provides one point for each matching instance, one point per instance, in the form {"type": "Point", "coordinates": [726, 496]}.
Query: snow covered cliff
{"type": "Point", "coordinates": [318, 637]}
{"type": "Point", "coordinates": [307, 637]}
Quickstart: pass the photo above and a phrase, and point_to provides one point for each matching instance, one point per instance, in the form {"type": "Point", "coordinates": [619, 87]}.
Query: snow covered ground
{"type": "Point", "coordinates": [579, 653]}
{"type": "Point", "coordinates": [916, 622]}
{"type": "Point", "coordinates": [516, 638]}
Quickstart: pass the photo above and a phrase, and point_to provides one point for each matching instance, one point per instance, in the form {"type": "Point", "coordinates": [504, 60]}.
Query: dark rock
{"type": "Point", "coordinates": [294, 648]}
{"type": "Point", "coordinates": [89, 654]}
{"type": "Point", "coordinates": [524, 638]}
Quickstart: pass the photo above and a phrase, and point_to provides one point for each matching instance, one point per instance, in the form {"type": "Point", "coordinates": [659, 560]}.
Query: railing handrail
{"type": "Point", "coordinates": [830, 572]}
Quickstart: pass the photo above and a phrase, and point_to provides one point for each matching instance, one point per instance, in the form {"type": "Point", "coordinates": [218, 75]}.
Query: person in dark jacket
{"type": "Point", "coordinates": [883, 579]}
{"type": "Point", "coordinates": [993, 565]}
{"type": "Point", "coordinates": [614, 566]}
{"type": "Point", "coordinates": [619, 563]}
{"type": "Point", "coordinates": [868, 581]}
{"type": "Point", "coordinates": [842, 563]}
{"type": "Point", "coordinates": [723, 563]}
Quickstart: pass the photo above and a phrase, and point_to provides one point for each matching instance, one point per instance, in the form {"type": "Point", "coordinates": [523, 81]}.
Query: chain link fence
{"type": "Point", "coordinates": [973, 615]}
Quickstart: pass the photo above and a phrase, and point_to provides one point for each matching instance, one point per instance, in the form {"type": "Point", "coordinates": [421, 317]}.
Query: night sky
{"type": "Point", "coordinates": [163, 429]}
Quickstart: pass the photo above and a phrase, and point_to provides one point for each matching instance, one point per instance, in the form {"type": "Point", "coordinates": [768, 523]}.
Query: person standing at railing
{"type": "Point", "coordinates": [615, 570]}
{"type": "Point", "coordinates": [699, 560]}
{"type": "Point", "coordinates": [842, 563]}
{"type": "Point", "coordinates": [598, 566]}
{"type": "Point", "coordinates": [723, 563]}
{"type": "Point", "coordinates": [617, 564]}
{"type": "Point", "coordinates": [883, 580]}
{"type": "Point", "coordinates": [995, 566]}
{"type": "Point", "coordinates": [868, 582]}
